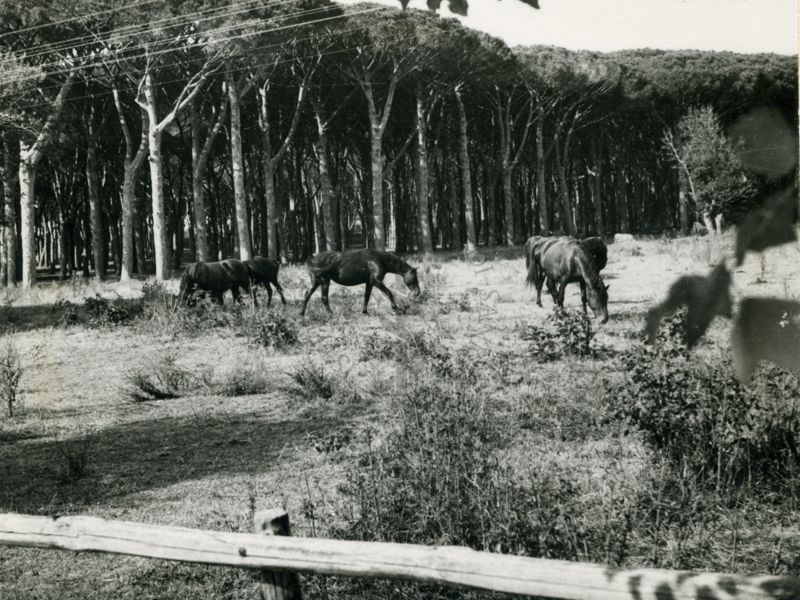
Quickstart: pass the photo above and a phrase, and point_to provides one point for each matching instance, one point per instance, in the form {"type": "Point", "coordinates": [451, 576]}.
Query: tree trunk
{"type": "Point", "coordinates": [11, 172]}
{"type": "Point", "coordinates": [567, 216]}
{"type": "Point", "coordinates": [541, 181]}
{"type": "Point", "coordinates": [27, 180]}
{"type": "Point", "coordinates": [198, 190]}
{"type": "Point", "coordinates": [597, 188]}
{"type": "Point", "coordinates": [422, 180]}
{"type": "Point", "coordinates": [95, 210]}
{"type": "Point", "coordinates": [508, 202]}
{"type": "Point", "coordinates": [455, 213]}
{"type": "Point", "coordinates": [683, 202]}
{"type": "Point", "coordinates": [622, 201]}
{"type": "Point", "coordinates": [237, 169]}
{"type": "Point", "coordinates": [466, 177]}
{"type": "Point", "coordinates": [325, 199]}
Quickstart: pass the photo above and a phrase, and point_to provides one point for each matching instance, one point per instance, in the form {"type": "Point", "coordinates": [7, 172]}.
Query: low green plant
{"type": "Point", "coordinates": [703, 419]}
{"type": "Point", "coordinates": [160, 380]}
{"type": "Point", "coordinates": [106, 313]}
{"type": "Point", "coordinates": [273, 329]}
{"type": "Point", "coordinates": [562, 335]}
{"type": "Point", "coordinates": [66, 313]}
{"type": "Point", "coordinates": [311, 381]}
{"type": "Point", "coordinates": [242, 380]}
{"type": "Point", "coordinates": [10, 375]}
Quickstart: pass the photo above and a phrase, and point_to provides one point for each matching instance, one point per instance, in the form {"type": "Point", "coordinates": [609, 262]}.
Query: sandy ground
{"type": "Point", "coordinates": [206, 461]}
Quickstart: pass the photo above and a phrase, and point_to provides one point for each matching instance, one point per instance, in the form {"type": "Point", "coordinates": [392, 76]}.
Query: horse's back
{"type": "Point", "coordinates": [262, 269]}
{"type": "Point", "coordinates": [559, 256]}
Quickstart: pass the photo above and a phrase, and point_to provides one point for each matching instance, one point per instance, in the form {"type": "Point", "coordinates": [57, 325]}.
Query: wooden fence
{"type": "Point", "coordinates": [280, 557]}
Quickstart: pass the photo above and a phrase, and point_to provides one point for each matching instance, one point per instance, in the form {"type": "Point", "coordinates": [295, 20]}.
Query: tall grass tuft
{"type": "Point", "coordinates": [10, 375]}
{"type": "Point", "coordinates": [161, 379]}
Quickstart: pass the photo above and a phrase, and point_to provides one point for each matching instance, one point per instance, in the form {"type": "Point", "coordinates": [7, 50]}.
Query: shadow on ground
{"type": "Point", "coordinates": [144, 455]}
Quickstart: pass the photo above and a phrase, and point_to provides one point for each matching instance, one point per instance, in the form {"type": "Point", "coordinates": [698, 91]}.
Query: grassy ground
{"type": "Point", "coordinates": [208, 459]}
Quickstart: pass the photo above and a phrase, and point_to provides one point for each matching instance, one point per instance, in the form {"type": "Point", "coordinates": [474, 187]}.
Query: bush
{"type": "Point", "coordinates": [243, 380]}
{"type": "Point", "coordinates": [160, 380]}
{"type": "Point", "coordinates": [310, 382]}
{"type": "Point", "coordinates": [10, 374]}
{"type": "Point", "coordinates": [703, 419]}
{"type": "Point", "coordinates": [273, 329]}
{"type": "Point", "coordinates": [66, 313]}
{"type": "Point", "coordinates": [567, 334]}
{"type": "Point", "coordinates": [106, 313]}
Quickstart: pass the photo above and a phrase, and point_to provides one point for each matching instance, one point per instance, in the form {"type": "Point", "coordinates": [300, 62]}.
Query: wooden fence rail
{"type": "Point", "coordinates": [442, 564]}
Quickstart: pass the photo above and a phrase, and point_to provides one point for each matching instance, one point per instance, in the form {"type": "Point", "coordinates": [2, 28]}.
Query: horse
{"type": "Point", "coordinates": [536, 245]}
{"type": "Point", "coordinates": [215, 278]}
{"type": "Point", "coordinates": [264, 271]}
{"type": "Point", "coordinates": [358, 267]}
{"type": "Point", "coordinates": [562, 261]}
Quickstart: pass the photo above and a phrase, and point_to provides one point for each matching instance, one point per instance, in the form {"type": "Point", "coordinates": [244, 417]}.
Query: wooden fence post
{"type": "Point", "coordinates": [276, 585]}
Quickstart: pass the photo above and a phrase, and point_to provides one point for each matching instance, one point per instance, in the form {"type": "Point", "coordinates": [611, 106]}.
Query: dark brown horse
{"type": "Point", "coordinates": [358, 267]}
{"type": "Point", "coordinates": [216, 278]}
{"type": "Point", "coordinates": [264, 271]}
{"type": "Point", "coordinates": [561, 261]}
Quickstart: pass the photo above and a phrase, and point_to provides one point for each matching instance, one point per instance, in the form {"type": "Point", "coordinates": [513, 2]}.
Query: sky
{"type": "Point", "coordinates": [605, 25]}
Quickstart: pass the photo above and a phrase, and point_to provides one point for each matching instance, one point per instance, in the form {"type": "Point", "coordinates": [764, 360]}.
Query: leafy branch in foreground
{"type": "Point", "coordinates": [764, 328]}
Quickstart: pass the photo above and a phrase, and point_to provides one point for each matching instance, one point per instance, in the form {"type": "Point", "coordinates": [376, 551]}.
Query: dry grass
{"type": "Point", "coordinates": [209, 457]}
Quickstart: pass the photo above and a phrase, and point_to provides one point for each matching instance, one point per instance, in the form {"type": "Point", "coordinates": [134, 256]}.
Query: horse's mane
{"type": "Point", "coordinates": [588, 269]}
{"type": "Point", "coordinates": [395, 262]}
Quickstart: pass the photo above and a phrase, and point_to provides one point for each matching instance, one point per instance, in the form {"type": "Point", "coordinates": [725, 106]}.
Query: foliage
{"type": "Point", "coordinates": [160, 379]}
{"type": "Point", "coordinates": [66, 313]}
{"type": "Point", "coordinates": [243, 380]}
{"type": "Point", "coordinates": [719, 182]}
{"type": "Point", "coordinates": [106, 313]}
{"type": "Point", "coordinates": [311, 381]}
{"type": "Point", "coordinates": [567, 334]}
{"type": "Point", "coordinates": [10, 375]}
{"type": "Point", "coordinates": [273, 329]}
{"type": "Point", "coordinates": [703, 419]}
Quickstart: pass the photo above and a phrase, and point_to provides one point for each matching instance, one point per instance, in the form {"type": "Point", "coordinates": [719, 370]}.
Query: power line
{"type": "Point", "coordinates": [164, 51]}
{"type": "Point", "coordinates": [71, 19]}
{"type": "Point", "coordinates": [144, 46]}
{"type": "Point", "coordinates": [136, 29]}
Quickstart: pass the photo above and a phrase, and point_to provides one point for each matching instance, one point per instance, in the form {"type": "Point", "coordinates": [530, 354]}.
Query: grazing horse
{"type": "Point", "coordinates": [264, 271]}
{"type": "Point", "coordinates": [562, 261]}
{"type": "Point", "coordinates": [358, 267]}
{"type": "Point", "coordinates": [215, 278]}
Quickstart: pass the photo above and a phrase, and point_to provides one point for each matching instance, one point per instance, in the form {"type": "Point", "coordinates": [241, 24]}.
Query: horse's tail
{"type": "Point", "coordinates": [533, 268]}
{"type": "Point", "coordinates": [185, 282]}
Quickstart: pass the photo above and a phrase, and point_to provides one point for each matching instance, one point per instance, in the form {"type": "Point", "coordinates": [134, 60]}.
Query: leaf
{"type": "Point", "coordinates": [765, 142]}
{"type": "Point", "coordinates": [705, 297]}
{"type": "Point", "coordinates": [766, 329]}
{"type": "Point", "coordinates": [458, 7]}
{"type": "Point", "coordinates": [770, 225]}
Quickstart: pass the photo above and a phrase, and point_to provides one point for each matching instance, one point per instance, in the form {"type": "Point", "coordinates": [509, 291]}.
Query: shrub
{"type": "Point", "coordinates": [567, 334]}
{"type": "Point", "coordinates": [380, 345]}
{"type": "Point", "coordinates": [273, 329]}
{"type": "Point", "coordinates": [75, 455]}
{"type": "Point", "coordinates": [242, 380]}
{"type": "Point", "coordinates": [703, 419]}
{"type": "Point", "coordinates": [66, 313]}
{"type": "Point", "coordinates": [10, 374]}
{"type": "Point", "coordinates": [106, 313]}
{"type": "Point", "coordinates": [160, 380]}
{"type": "Point", "coordinates": [310, 382]}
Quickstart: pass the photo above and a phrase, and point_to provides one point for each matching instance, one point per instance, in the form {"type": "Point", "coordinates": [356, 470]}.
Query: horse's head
{"type": "Point", "coordinates": [411, 281]}
{"type": "Point", "coordinates": [598, 299]}
{"type": "Point", "coordinates": [188, 284]}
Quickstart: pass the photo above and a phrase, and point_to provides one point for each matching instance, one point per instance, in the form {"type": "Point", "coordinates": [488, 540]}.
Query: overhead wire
{"type": "Point", "coordinates": [162, 51]}
{"type": "Point", "coordinates": [130, 31]}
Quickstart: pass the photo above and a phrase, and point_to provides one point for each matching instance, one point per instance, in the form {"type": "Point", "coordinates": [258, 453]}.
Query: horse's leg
{"type": "Point", "coordinates": [325, 287]}
{"type": "Point", "coordinates": [367, 293]}
{"type": "Point", "coordinates": [583, 295]}
{"type": "Point", "coordinates": [314, 286]}
{"type": "Point", "coordinates": [237, 294]}
{"type": "Point", "coordinates": [218, 298]}
{"type": "Point", "coordinates": [539, 282]}
{"type": "Point", "coordinates": [380, 285]}
{"type": "Point", "coordinates": [561, 287]}
{"type": "Point", "coordinates": [280, 291]}
{"type": "Point", "coordinates": [269, 292]}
